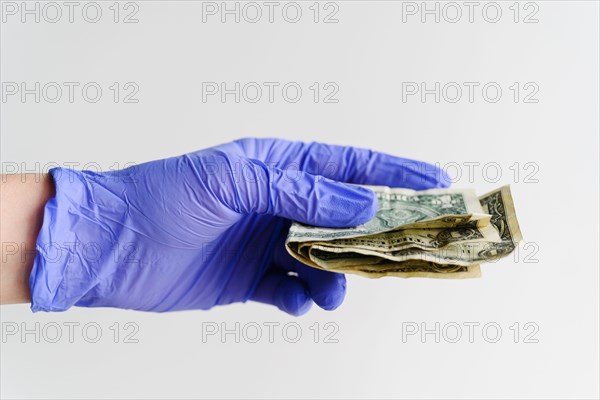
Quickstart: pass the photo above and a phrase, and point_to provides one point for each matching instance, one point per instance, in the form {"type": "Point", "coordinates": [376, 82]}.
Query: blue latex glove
{"type": "Point", "coordinates": [207, 228]}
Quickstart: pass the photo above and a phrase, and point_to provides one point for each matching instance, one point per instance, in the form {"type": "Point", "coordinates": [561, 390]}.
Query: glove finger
{"type": "Point", "coordinates": [347, 164]}
{"type": "Point", "coordinates": [327, 289]}
{"type": "Point", "coordinates": [284, 291]}
{"type": "Point", "coordinates": [320, 201]}
{"type": "Point", "coordinates": [302, 197]}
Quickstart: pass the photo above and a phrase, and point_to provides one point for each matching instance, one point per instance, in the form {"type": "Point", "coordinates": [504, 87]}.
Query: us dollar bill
{"type": "Point", "coordinates": [412, 237]}
{"type": "Point", "coordinates": [404, 208]}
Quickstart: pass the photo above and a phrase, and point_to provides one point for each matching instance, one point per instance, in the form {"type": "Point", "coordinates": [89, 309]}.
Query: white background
{"type": "Point", "coordinates": [369, 53]}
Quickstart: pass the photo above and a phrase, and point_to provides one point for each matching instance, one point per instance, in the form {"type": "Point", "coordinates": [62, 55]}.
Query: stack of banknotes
{"type": "Point", "coordinates": [439, 233]}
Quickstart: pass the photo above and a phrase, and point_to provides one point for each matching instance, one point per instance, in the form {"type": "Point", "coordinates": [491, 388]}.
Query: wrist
{"type": "Point", "coordinates": [23, 197]}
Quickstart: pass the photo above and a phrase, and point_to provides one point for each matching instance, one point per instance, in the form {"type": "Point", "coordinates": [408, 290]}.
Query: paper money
{"type": "Point", "coordinates": [440, 233]}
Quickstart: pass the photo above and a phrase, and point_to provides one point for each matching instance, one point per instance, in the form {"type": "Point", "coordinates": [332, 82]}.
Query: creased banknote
{"type": "Point", "coordinates": [440, 233]}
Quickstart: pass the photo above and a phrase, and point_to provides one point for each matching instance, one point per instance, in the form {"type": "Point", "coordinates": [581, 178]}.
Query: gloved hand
{"type": "Point", "coordinates": [207, 228]}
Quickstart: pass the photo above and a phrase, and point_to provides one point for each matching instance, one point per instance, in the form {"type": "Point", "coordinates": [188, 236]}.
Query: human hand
{"type": "Point", "coordinates": [207, 228]}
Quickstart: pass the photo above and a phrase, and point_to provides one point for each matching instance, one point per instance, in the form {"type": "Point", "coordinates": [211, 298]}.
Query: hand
{"type": "Point", "coordinates": [207, 228]}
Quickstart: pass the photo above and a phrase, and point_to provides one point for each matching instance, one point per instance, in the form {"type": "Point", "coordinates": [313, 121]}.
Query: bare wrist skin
{"type": "Point", "coordinates": [22, 201]}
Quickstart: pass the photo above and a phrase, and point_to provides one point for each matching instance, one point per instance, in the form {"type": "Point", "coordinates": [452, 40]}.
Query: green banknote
{"type": "Point", "coordinates": [441, 233]}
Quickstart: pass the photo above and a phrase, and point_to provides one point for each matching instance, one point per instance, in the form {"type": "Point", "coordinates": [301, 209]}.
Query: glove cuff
{"type": "Point", "coordinates": [72, 244]}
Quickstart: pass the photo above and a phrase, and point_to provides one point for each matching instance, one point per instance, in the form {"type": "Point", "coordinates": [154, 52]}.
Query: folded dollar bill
{"type": "Point", "coordinates": [439, 233]}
